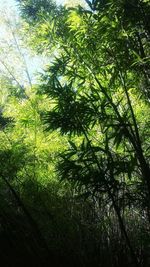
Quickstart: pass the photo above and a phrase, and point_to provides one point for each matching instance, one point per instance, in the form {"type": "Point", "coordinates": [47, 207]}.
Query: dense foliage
{"type": "Point", "coordinates": [75, 172]}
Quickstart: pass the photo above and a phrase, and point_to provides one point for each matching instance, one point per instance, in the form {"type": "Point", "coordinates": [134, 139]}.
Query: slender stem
{"type": "Point", "coordinates": [116, 208]}
{"type": "Point", "coordinates": [28, 215]}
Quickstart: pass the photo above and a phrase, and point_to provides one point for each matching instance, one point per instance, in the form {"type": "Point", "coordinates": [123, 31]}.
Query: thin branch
{"type": "Point", "coordinates": [11, 74]}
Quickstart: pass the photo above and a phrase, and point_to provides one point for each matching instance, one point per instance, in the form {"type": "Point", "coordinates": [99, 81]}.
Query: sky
{"type": "Point", "coordinates": [35, 64]}
{"type": "Point", "coordinates": [12, 3]}
{"type": "Point", "coordinates": [8, 3]}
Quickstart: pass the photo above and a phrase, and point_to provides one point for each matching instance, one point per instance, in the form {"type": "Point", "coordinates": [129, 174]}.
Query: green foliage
{"type": "Point", "coordinates": [94, 82]}
{"type": "Point", "coordinates": [74, 150]}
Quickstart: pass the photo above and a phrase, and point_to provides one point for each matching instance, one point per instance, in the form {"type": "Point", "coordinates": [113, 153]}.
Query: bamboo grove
{"type": "Point", "coordinates": [75, 142]}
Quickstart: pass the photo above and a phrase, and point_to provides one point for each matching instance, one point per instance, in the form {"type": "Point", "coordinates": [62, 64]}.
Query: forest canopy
{"type": "Point", "coordinates": [75, 137]}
